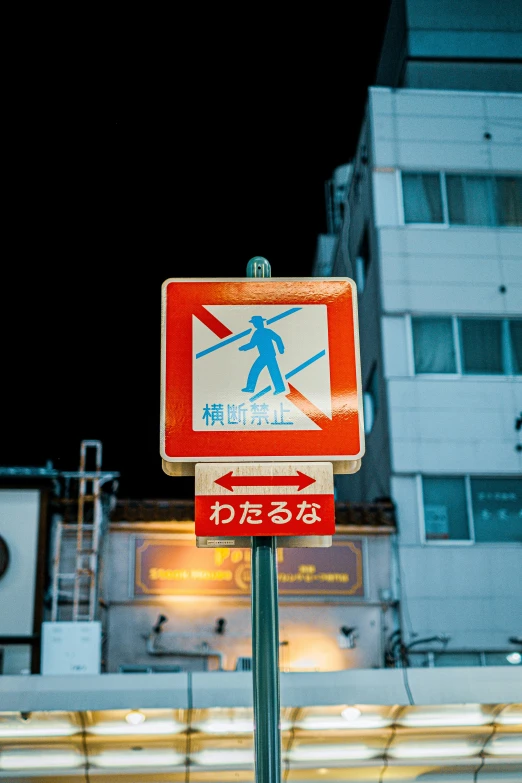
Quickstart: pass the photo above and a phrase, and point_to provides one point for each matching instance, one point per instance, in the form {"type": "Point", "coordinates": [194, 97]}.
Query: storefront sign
{"type": "Point", "coordinates": [173, 566]}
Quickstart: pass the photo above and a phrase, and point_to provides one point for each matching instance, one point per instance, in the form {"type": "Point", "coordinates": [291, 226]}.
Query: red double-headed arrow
{"type": "Point", "coordinates": [229, 481]}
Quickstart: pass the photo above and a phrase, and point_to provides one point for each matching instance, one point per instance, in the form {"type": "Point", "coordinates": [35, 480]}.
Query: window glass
{"type": "Point", "coordinates": [445, 509]}
{"type": "Point", "coordinates": [422, 198]}
{"type": "Point", "coordinates": [481, 346]}
{"type": "Point", "coordinates": [471, 200]}
{"type": "Point", "coordinates": [509, 201]}
{"type": "Point", "coordinates": [497, 509]}
{"type": "Point", "coordinates": [433, 345]}
{"type": "Point", "coordinates": [515, 332]}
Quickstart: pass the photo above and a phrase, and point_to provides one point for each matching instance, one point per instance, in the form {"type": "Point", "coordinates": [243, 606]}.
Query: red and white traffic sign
{"type": "Point", "coordinates": [264, 499]}
{"type": "Point", "coordinates": [260, 369]}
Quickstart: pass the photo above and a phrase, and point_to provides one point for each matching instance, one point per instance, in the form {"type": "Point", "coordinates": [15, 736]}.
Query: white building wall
{"type": "Point", "coordinates": [397, 355]}
{"type": "Point", "coordinates": [469, 592]}
{"type": "Point", "coordinates": [447, 424]}
{"type": "Point", "coordinates": [448, 270]}
{"type": "Point", "coordinates": [444, 130]}
{"type": "Point", "coordinates": [459, 426]}
{"type": "Point", "coordinates": [464, 593]}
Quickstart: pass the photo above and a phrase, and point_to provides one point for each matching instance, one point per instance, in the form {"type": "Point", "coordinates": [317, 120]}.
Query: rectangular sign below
{"type": "Point", "coordinates": [278, 499]}
{"type": "Point", "coordinates": [265, 515]}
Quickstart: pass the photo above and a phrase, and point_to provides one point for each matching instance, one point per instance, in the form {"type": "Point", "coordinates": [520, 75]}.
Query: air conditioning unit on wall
{"type": "Point", "coordinates": [20, 514]}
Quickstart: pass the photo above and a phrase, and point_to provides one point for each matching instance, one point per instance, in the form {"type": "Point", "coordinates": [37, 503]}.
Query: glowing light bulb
{"type": "Point", "coordinates": [514, 657]}
{"type": "Point", "coordinates": [135, 717]}
{"type": "Point", "coordinates": [351, 713]}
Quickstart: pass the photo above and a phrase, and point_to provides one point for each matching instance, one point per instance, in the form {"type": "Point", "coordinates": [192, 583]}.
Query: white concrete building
{"type": "Point", "coordinates": [432, 233]}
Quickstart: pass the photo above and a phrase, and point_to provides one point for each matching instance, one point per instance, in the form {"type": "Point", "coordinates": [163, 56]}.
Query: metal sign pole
{"type": "Point", "coordinates": [265, 635]}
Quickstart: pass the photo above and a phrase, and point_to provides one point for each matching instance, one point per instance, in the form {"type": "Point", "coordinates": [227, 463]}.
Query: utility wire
{"type": "Point", "coordinates": [85, 748]}
{"type": "Point", "coordinates": [402, 656]}
{"type": "Point", "coordinates": [403, 598]}
{"type": "Point", "coordinates": [293, 717]}
{"type": "Point", "coordinates": [398, 711]}
{"type": "Point", "coordinates": [488, 739]}
{"type": "Point", "coordinates": [407, 685]}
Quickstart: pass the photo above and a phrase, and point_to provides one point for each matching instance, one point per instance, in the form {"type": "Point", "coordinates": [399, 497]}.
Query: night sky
{"type": "Point", "coordinates": [181, 173]}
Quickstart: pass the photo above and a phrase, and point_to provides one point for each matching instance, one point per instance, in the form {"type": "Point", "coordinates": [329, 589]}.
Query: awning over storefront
{"type": "Point", "coordinates": [454, 724]}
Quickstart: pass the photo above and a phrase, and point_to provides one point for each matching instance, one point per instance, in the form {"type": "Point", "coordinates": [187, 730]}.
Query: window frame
{"type": "Point", "coordinates": [507, 357]}
{"type": "Point", "coordinates": [444, 199]}
{"type": "Point", "coordinates": [505, 351]}
{"type": "Point", "coordinates": [442, 541]}
{"type": "Point", "coordinates": [456, 346]}
{"type": "Point", "coordinates": [491, 207]}
{"type": "Point", "coordinates": [425, 541]}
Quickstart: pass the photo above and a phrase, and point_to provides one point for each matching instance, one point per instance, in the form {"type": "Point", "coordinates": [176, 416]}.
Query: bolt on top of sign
{"type": "Point", "coordinates": [265, 369]}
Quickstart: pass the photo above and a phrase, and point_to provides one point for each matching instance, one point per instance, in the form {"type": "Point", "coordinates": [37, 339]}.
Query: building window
{"type": "Point", "coordinates": [471, 200]}
{"type": "Point", "coordinates": [466, 508]}
{"type": "Point", "coordinates": [467, 346]}
{"type": "Point", "coordinates": [362, 262]}
{"type": "Point", "coordinates": [497, 509]}
{"type": "Point", "coordinates": [445, 509]}
{"type": "Point", "coordinates": [433, 345]}
{"type": "Point", "coordinates": [509, 201]}
{"type": "Point", "coordinates": [462, 199]}
{"type": "Point", "coordinates": [515, 337]}
{"type": "Point", "coordinates": [481, 346]}
{"type": "Point", "coordinates": [422, 198]}
{"type": "Point", "coordinates": [371, 400]}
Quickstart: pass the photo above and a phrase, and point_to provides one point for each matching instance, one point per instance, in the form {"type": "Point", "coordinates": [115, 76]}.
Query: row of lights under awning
{"type": "Point", "coordinates": [320, 738]}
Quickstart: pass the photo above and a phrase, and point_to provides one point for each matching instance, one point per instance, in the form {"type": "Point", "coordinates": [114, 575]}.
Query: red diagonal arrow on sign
{"type": "Point", "coordinates": [309, 409]}
{"type": "Point", "coordinates": [211, 322]}
{"type": "Point", "coordinates": [229, 481]}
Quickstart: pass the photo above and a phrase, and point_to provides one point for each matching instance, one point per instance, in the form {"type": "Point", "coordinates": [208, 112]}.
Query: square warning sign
{"type": "Point", "coordinates": [260, 368]}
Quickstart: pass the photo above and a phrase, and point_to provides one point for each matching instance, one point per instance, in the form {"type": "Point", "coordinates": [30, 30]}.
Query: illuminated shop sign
{"type": "Point", "coordinates": [171, 566]}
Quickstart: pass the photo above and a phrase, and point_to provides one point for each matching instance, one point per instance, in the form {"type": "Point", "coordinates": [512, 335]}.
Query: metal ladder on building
{"type": "Point", "coordinates": [77, 544]}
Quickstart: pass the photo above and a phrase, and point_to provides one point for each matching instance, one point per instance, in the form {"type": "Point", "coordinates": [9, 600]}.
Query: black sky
{"type": "Point", "coordinates": [186, 171]}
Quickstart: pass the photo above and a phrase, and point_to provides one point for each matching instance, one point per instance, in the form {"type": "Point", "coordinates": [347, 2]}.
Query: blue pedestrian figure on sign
{"type": "Point", "coordinates": [264, 339]}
